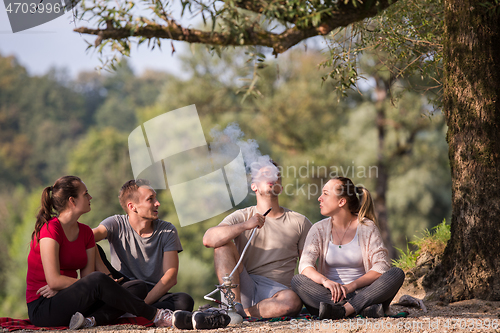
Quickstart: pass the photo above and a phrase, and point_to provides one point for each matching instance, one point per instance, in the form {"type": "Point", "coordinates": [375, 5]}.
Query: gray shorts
{"type": "Point", "coordinates": [255, 288]}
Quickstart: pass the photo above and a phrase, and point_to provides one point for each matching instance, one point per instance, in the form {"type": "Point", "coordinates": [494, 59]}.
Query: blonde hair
{"type": "Point", "coordinates": [359, 199]}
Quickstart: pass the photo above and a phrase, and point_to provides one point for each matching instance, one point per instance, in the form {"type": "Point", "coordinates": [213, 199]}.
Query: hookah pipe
{"type": "Point", "coordinates": [227, 285]}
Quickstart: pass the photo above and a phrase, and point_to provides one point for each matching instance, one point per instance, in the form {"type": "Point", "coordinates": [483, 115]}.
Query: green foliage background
{"type": "Point", "coordinates": [53, 125]}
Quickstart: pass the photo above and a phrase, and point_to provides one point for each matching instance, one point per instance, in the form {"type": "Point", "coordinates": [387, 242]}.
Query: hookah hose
{"type": "Point", "coordinates": [237, 265]}
{"type": "Point", "coordinates": [246, 246]}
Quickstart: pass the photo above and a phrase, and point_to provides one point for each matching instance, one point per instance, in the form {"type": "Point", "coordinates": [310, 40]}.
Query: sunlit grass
{"type": "Point", "coordinates": [432, 242]}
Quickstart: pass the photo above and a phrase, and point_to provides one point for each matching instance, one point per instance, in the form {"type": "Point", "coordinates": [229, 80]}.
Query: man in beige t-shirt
{"type": "Point", "coordinates": [265, 274]}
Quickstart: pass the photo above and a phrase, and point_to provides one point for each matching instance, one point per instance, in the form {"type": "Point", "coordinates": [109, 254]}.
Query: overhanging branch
{"type": "Point", "coordinates": [343, 16]}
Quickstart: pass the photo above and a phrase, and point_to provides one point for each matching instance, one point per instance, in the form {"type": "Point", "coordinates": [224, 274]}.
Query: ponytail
{"type": "Point", "coordinates": [45, 213]}
{"type": "Point", "coordinates": [359, 200]}
{"type": "Point", "coordinates": [366, 206]}
{"type": "Point", "coordinates": [54, 200]}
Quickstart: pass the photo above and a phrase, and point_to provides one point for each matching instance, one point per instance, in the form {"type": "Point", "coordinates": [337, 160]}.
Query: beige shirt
{"type": "Point", "coordinates": [275, 247]}
{"type": "Point", "coordinates": [373, 251]}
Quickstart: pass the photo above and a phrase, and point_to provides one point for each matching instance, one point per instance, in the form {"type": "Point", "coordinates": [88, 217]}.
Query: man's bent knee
{"type": "Point", "coordinates": [225, 255]}
{"type": "Point", "coordinates": [229, 247]}
{"type": "Point", "coordinates": [290, 302]}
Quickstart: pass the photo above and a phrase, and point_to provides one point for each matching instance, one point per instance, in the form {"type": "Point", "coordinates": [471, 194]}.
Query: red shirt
{"type": "Point", "coordinates": [72, 255]}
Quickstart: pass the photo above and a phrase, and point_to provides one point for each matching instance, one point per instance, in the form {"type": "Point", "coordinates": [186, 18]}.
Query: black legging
{"type": "Point", "coordinates": [171, 301]}
{"type": "Point", "coordinates": [174, 301]}
{"type": "Point", "coordinates": [382, 290]}
{"type": "Point", "coordinates": [95, 295]}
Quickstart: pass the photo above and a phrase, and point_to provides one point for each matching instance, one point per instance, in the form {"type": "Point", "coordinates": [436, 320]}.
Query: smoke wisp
{"type": "Point", "coordinates": [258, 166]}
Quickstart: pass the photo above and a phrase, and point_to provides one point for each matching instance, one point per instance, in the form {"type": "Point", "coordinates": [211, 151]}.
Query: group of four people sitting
{"type": "Point", "coordinates": [344, 267]}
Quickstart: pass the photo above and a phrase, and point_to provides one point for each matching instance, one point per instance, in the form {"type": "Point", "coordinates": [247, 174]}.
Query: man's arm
{"type": "Point", "coordinates": [169, 278]}
{"type": "Point", "coordinates": [100, 233]}
{"type": "Point", "coordinates": [222, 234]}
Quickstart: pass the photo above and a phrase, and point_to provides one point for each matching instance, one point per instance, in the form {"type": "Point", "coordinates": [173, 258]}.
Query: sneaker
{"type": "Point", "coordinates": [79, 321]}
{"type": "Point", "coordinates": [239, 309]}
{"type": "Point", "coordinates": [163, 318]}
{"type": "Point", "coordinates": [205, 307]}
{"type": "Point", "coordinates": [209, 308]}
{"type": "Point", "coordinates": [213, 309]}
{"type": "Point", "coordinates": [373, 311]}
{"type": "Point", "coordinates": [76, 321]}
{"type": "Point", "coordinates": [182, 320]}
{"type": "Point", "coordinates": [331, 311]}
{"type": "Point", "coordinates": [210, 320]}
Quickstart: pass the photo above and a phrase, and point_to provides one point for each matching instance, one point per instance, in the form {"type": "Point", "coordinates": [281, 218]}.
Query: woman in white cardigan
{"type": "Point", "coordinates": [344, 268]}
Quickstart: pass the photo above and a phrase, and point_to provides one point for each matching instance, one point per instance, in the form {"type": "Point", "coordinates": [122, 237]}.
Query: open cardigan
{"type": "Point", "coordinates": [375, 255]}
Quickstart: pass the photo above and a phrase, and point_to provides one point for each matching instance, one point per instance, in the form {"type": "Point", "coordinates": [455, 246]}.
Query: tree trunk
{"type": "Point", "coordinates": [382, 182]}
{"type": "Point", "coordinates": [470, 266]}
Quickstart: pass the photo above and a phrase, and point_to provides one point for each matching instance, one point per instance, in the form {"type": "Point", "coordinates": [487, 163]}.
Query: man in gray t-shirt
{"type": "Point", "coordinates": [144, 247]}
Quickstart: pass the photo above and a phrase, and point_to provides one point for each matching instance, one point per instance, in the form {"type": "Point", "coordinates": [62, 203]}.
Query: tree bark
{"type": "Point", "coordinates": [470, 266]}
{"type": "Point", "coordinates": [382, 182]}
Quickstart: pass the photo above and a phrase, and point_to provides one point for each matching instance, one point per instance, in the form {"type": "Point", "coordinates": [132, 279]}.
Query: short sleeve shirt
{"type": "Point", "coordinates": [140, 257]}
{"type": "Point", "coordinates": [72, 255]}
{"type": "Point", "coordinates": [275, 248]}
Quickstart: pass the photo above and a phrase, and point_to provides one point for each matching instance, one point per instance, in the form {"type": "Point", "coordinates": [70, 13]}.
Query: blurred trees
{"type": "Point", "coordinates": [13, 301]}
{"type": "Point", "coordinates": [50, 126]}
{"type": "Point", "coordinates": [39, 120]}
{"type": "Point", "coordinates": [101, 160]}
{"type": "Point", "coordinates": [295, 118]}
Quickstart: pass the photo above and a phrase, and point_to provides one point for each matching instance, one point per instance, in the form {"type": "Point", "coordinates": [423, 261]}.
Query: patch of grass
{"type": "Point", "coordinates": [406, 259]}
{"type": "Point", "coordinates": [432, 242]}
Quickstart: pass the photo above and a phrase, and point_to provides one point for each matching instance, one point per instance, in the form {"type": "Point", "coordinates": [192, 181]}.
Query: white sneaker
{"type": "Point", "coordinates": [163, 318]}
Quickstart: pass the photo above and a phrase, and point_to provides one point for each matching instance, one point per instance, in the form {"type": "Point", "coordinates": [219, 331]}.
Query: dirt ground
{"type": "Point", "coordinates": [465, 316]}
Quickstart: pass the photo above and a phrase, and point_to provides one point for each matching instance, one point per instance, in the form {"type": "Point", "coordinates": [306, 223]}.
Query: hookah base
{"type": "Point", "coordinates": [235, 317]}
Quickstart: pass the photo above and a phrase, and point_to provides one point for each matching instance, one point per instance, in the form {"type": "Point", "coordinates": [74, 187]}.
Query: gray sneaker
{"type": "Point", "coordinates": [331, 311]}
{"type": "Point", "coordinates": [210, 320]}
{"type": "Point", "coordinates": [373, 311]}
{"type": "Point", "coordinates": [76, 321]}
{"type": "Point", "coordinates": [79, 321]}
{"type": "Point", "coordinates": [209, 308]}
{"type": "Point", "coordinates": [239, 310]}
{"type": "Point", "coordinates": [182, 320]}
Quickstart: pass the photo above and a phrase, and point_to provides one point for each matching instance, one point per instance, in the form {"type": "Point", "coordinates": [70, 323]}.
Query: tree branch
{"type": "Point", "coordinates": [343, 16]}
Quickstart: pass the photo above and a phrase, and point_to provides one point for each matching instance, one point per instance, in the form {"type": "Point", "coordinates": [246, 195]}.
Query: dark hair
{"type": "Point", "coordinates": [359, 200]}
{"type": "Point", "coordinates": [129, 191]}
{"type": "Point", "coordinates": [54, 200]}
